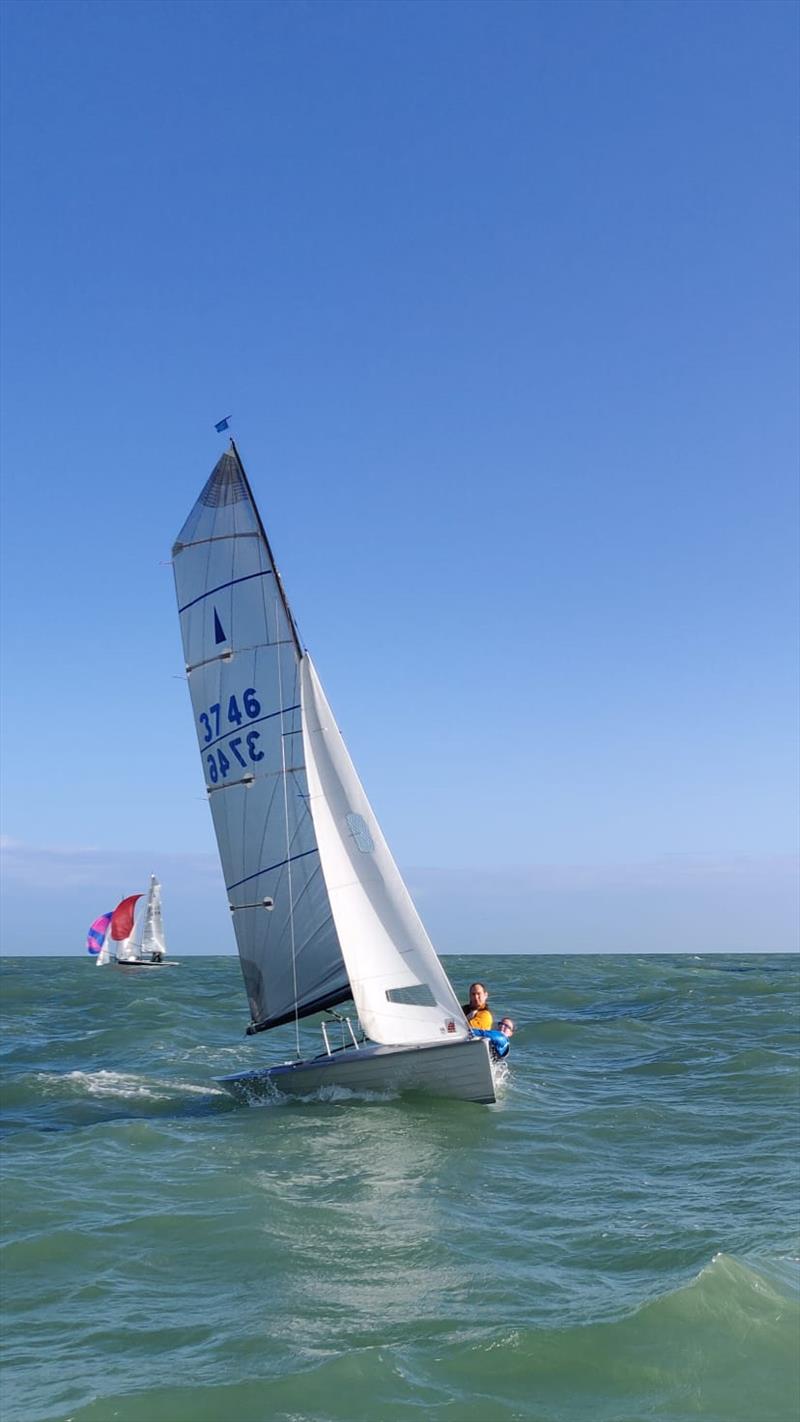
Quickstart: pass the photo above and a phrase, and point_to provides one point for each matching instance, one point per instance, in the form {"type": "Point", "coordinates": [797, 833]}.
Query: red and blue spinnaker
{"type": "Point", "coordinates": [96, 936]}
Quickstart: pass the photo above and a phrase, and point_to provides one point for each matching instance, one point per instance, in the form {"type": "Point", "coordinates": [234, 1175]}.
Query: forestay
{"type": "Point", "coordinates": [242, 660]}
{"type": "Point", "coordinates": [400, 988]}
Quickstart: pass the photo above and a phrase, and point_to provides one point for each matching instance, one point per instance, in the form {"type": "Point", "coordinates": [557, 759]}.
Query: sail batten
{"type": "Point", "coordinates": [217, 538]}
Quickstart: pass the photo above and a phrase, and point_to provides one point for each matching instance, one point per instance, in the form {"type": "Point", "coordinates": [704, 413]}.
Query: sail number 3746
{"type": "Point", "coordinates": [242, 749]}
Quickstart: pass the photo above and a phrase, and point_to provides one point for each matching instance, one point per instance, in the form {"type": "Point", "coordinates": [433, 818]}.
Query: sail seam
{"type": "Point", "coordinates": [268, 870]}
{"type": "Point", "coordinates": [266, 573]}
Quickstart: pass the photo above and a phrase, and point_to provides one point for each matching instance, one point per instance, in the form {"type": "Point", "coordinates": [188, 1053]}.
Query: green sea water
{"type": "Point", "coordinates": [616, 1240]}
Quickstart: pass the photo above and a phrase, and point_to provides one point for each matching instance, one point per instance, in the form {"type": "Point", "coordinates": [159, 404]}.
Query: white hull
{"type": "Point", "coordinates": [460, 1071]}
{"type": "Point", "coordinates": [144, 963]}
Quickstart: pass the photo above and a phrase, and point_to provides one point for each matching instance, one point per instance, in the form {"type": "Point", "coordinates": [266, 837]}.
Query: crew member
{"type": "Point", "coordinates": [499, 1040]}
{"type": "Point", "coordinates": [477, 1009]}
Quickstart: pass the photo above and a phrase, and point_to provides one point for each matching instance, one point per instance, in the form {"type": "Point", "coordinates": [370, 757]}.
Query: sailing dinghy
{"type": "Point", "coordinates": [144, 947]}
{"type": "Point", "coordinates": [320, 910]}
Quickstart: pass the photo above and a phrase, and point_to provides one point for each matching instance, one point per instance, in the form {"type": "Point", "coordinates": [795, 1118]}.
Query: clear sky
{"type": "Point", "coordinates": [503, 300]}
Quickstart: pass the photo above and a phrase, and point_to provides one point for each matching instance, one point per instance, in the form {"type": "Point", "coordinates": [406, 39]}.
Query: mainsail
{"type": "Point", "coordinates": [243, 657]}
{"type": "Point", "coordinates": [153, 928]}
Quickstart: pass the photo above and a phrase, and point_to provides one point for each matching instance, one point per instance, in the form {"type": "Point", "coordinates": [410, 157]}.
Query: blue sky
{"type": "Point", "coordinates": [503, 301]}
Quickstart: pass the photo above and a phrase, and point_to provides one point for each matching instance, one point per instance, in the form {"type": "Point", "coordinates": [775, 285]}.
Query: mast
{"type": "Point", "coordinates": [299, 648]}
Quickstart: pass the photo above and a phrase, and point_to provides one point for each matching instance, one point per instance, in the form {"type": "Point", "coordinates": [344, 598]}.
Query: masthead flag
{"type": "Point", "coordinates": [223, 424]}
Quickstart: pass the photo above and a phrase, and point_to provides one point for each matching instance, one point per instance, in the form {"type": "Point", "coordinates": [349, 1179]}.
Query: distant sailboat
{"type": "Point", "coordinates": [320, 911]}
{"type": "Point", "coordinates": [149, 950]}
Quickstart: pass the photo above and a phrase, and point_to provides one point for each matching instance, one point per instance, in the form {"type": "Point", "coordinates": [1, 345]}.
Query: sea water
{"type": "Point", "coordinates": [616, 1240]}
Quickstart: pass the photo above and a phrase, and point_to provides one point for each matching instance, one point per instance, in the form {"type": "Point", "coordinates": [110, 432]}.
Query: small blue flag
{"type": "Point", "coordinates": [223, 424]}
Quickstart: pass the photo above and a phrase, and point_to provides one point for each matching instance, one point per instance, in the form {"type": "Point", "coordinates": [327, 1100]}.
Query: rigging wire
{"type": "Point", "coordinates": [286, 827]}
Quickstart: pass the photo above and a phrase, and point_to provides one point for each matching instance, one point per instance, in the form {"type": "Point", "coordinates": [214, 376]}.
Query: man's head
{"type": "Point", "coordinates": [506, 1025]}
{"type": "Point", "coordinates": [478, 996]}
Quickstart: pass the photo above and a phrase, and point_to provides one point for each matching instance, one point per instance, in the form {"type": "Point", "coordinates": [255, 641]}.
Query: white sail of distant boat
{"type": "Point", "coordinates": [320, 910]}
{"type": "Point", "coordinates": [153, 945]}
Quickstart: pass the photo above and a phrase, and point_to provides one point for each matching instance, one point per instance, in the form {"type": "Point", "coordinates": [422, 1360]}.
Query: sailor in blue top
{"type": "Point", "coordinates": [499, 1039]}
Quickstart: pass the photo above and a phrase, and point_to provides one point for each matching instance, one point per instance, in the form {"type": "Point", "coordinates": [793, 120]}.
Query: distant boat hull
{"type": "Point", "coordinates": [144, 963]}
{"type": "Point", "coordinates": [461, 1071]}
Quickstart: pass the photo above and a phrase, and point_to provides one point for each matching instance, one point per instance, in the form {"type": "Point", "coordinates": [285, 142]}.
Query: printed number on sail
{"type": "Point", "coordinates": [252, 707]}
{"type": "Point", "coordinates": [238, 750]}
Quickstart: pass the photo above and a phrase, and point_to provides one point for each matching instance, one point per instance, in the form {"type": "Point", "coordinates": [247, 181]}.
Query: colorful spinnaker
{"type": "Point", "coordinates": [122, 918]}
{"type": "Point", "coordinates": [96, 936]}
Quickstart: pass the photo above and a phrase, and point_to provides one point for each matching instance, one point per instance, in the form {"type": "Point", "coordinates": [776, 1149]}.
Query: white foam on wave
{"type": "Point", "coordinates": [187, 1054]}
{"type": "Point", "coordinates": [192, 1088]}
{"type": "Point", "coordinates": [266, 1093]}
{"type": "Point", "coordinates": [105, 1083]}
{"type": "Point", "coordinates": [347, 1093]}
{"type": "Point", "coordinates": [728, 1279]}
{"type": "Point", "coordinates": [127, 1086]}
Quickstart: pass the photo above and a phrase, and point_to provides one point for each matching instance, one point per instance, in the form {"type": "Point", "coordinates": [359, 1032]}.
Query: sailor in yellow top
{"type": "Point", "coordinates": [477, 1009]}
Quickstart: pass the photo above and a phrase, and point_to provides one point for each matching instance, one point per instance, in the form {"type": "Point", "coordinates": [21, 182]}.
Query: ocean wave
{"type": "Point", "coordinates": [715, 1348]}
{"type": "Point", "coordinates": [552, 1260]}
{"type": "Point", "coordinates": [58, 1101]}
